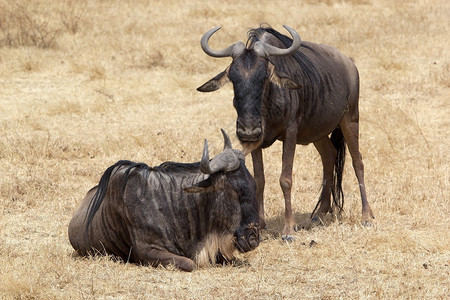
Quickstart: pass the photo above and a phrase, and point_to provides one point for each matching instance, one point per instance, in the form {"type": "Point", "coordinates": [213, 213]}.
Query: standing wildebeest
{"type": "Point", "coordinates": [181, 214]}
{"type": "Point", "coordinates": [297, 92]}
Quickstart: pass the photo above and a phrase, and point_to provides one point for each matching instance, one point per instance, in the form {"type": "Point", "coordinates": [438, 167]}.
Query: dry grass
{"type": "Point", "coordinates": [116, 80]}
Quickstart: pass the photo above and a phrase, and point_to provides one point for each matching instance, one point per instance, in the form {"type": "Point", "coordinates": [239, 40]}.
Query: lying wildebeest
{"type": "Point", "coordinates": [181, 214]}
{"type": "Point", "coordinates": [297, 92]}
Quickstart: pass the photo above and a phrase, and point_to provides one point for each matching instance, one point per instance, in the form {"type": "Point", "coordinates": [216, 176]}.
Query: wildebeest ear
{"type": "Point", "coordinates": [282, 80]}
{"type": "Point", "coordinates": [216, 83]}
{"type": "Point", "coordinates": [290, 84]}
{"type": "Point", "coordinates": [200, 187]}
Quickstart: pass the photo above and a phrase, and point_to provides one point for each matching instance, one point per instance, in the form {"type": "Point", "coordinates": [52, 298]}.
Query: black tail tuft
{"type": "Point", "coordinates": [337, 138]}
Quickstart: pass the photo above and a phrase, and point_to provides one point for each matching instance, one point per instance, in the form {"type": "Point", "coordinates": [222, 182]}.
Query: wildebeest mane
{"type": "Point", "coordinates": [102, 186]}
{"type": "Point", "coordinates": [174, 167]}
{"type": "Point", "coordinates": [305, 63]}
{"type": "Point", "coordinates": [167, 168]}
{"type": "Point", "coordinates": [309, 77]}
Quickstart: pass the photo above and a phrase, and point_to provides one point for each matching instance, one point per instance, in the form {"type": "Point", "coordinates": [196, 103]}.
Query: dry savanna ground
{"type": "Point", "coordinates": [86, 83]}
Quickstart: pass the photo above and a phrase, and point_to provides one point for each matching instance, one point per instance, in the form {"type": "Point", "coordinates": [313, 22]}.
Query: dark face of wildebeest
{"type": "Point", "coordinates": [182, 214]}
{"type": "Point", "coordinates": [251, 74]}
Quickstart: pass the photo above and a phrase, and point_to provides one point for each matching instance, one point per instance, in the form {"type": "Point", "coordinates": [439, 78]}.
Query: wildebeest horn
{"type": "Point", "coordinates": [226, 161]}
{"type": "Point", "coordinates": [266, 50]}
{"type": "Point", "coordinates": [226, 140]}
{"type": "Point", "coordinates": [231, 51]}
{"type": "Point", "coordinates": [204, 163]}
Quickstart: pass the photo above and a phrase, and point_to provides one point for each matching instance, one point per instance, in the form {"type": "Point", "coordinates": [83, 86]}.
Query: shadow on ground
{"type": "Point", "coordinates": [304, 222]}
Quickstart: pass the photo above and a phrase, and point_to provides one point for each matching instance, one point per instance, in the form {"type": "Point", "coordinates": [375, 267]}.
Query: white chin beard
{"type": "Point", "coordinates": [248, 147]}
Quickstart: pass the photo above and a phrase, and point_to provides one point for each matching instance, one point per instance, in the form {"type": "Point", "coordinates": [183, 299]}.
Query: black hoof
{"type": "Point", "coordinates": [287, 238]}
{"type": "Point", "coordinates": [367, 224]}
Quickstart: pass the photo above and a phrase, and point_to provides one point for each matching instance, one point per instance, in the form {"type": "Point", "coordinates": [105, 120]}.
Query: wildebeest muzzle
{"type": "Point", "coordinates": [248, 130]}
{"type": "Point", "coordinates": [247, 238]}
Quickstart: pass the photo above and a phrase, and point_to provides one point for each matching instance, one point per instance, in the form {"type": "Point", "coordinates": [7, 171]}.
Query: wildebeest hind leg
{"type": "Point", "coordinates": [350, 130]}
{"type": "Point", "coordinates": [165, 258]}
{"type": "Point", "coordinates": [328, 154]}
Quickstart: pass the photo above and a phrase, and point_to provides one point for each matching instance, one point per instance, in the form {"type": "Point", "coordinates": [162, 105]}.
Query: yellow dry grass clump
{"type": "Point", "coordinates": [86, 83]}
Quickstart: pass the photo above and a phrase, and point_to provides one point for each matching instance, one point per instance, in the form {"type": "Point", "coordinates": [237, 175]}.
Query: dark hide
{"type": "Point", "coordinates": [299, 98]}
{"type": "Point", "coordinates": [170, 214]}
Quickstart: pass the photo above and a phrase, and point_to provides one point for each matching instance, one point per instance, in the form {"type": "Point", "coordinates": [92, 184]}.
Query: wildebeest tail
{"type": "Point", "coordinates": [337, 138]}
{"type": "Point", "coordinates": [102, 188]}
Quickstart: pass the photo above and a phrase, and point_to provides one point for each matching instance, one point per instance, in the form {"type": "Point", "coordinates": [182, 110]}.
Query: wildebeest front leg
{"type": "Point", "coordinates": [258, 172]}
{"type": "Point", "coordinates": [350, 130]}
{"type": "Point", "coordinates": [156, 256]}
{"type": "Point", "coordinates": [286, 183]}
{"type": "Point", "coordinates": [328, 154]}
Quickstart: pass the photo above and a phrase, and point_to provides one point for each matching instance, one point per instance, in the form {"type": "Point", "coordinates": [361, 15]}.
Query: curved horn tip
{"type": "Point", "coordinates": [231, 51]}
{"type": "Point", "coordinates": [266, 50]}
{"type": "Point", "coordinates": [226, 140]}
{"type": "Point", "coordinates": [207, 35]}
{"type": "Point", "coordinates": [204, 163]}
{"type": "Point", "coordinates": [213, 30]}
{"type": "Point", "coordinates": [292, 32]}
{"type": "Point", "coordinates": [205, 147]}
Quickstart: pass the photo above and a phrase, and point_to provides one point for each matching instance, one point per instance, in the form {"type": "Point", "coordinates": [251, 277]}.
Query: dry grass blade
{"type": "Point", "coordinates": [86, 83]}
